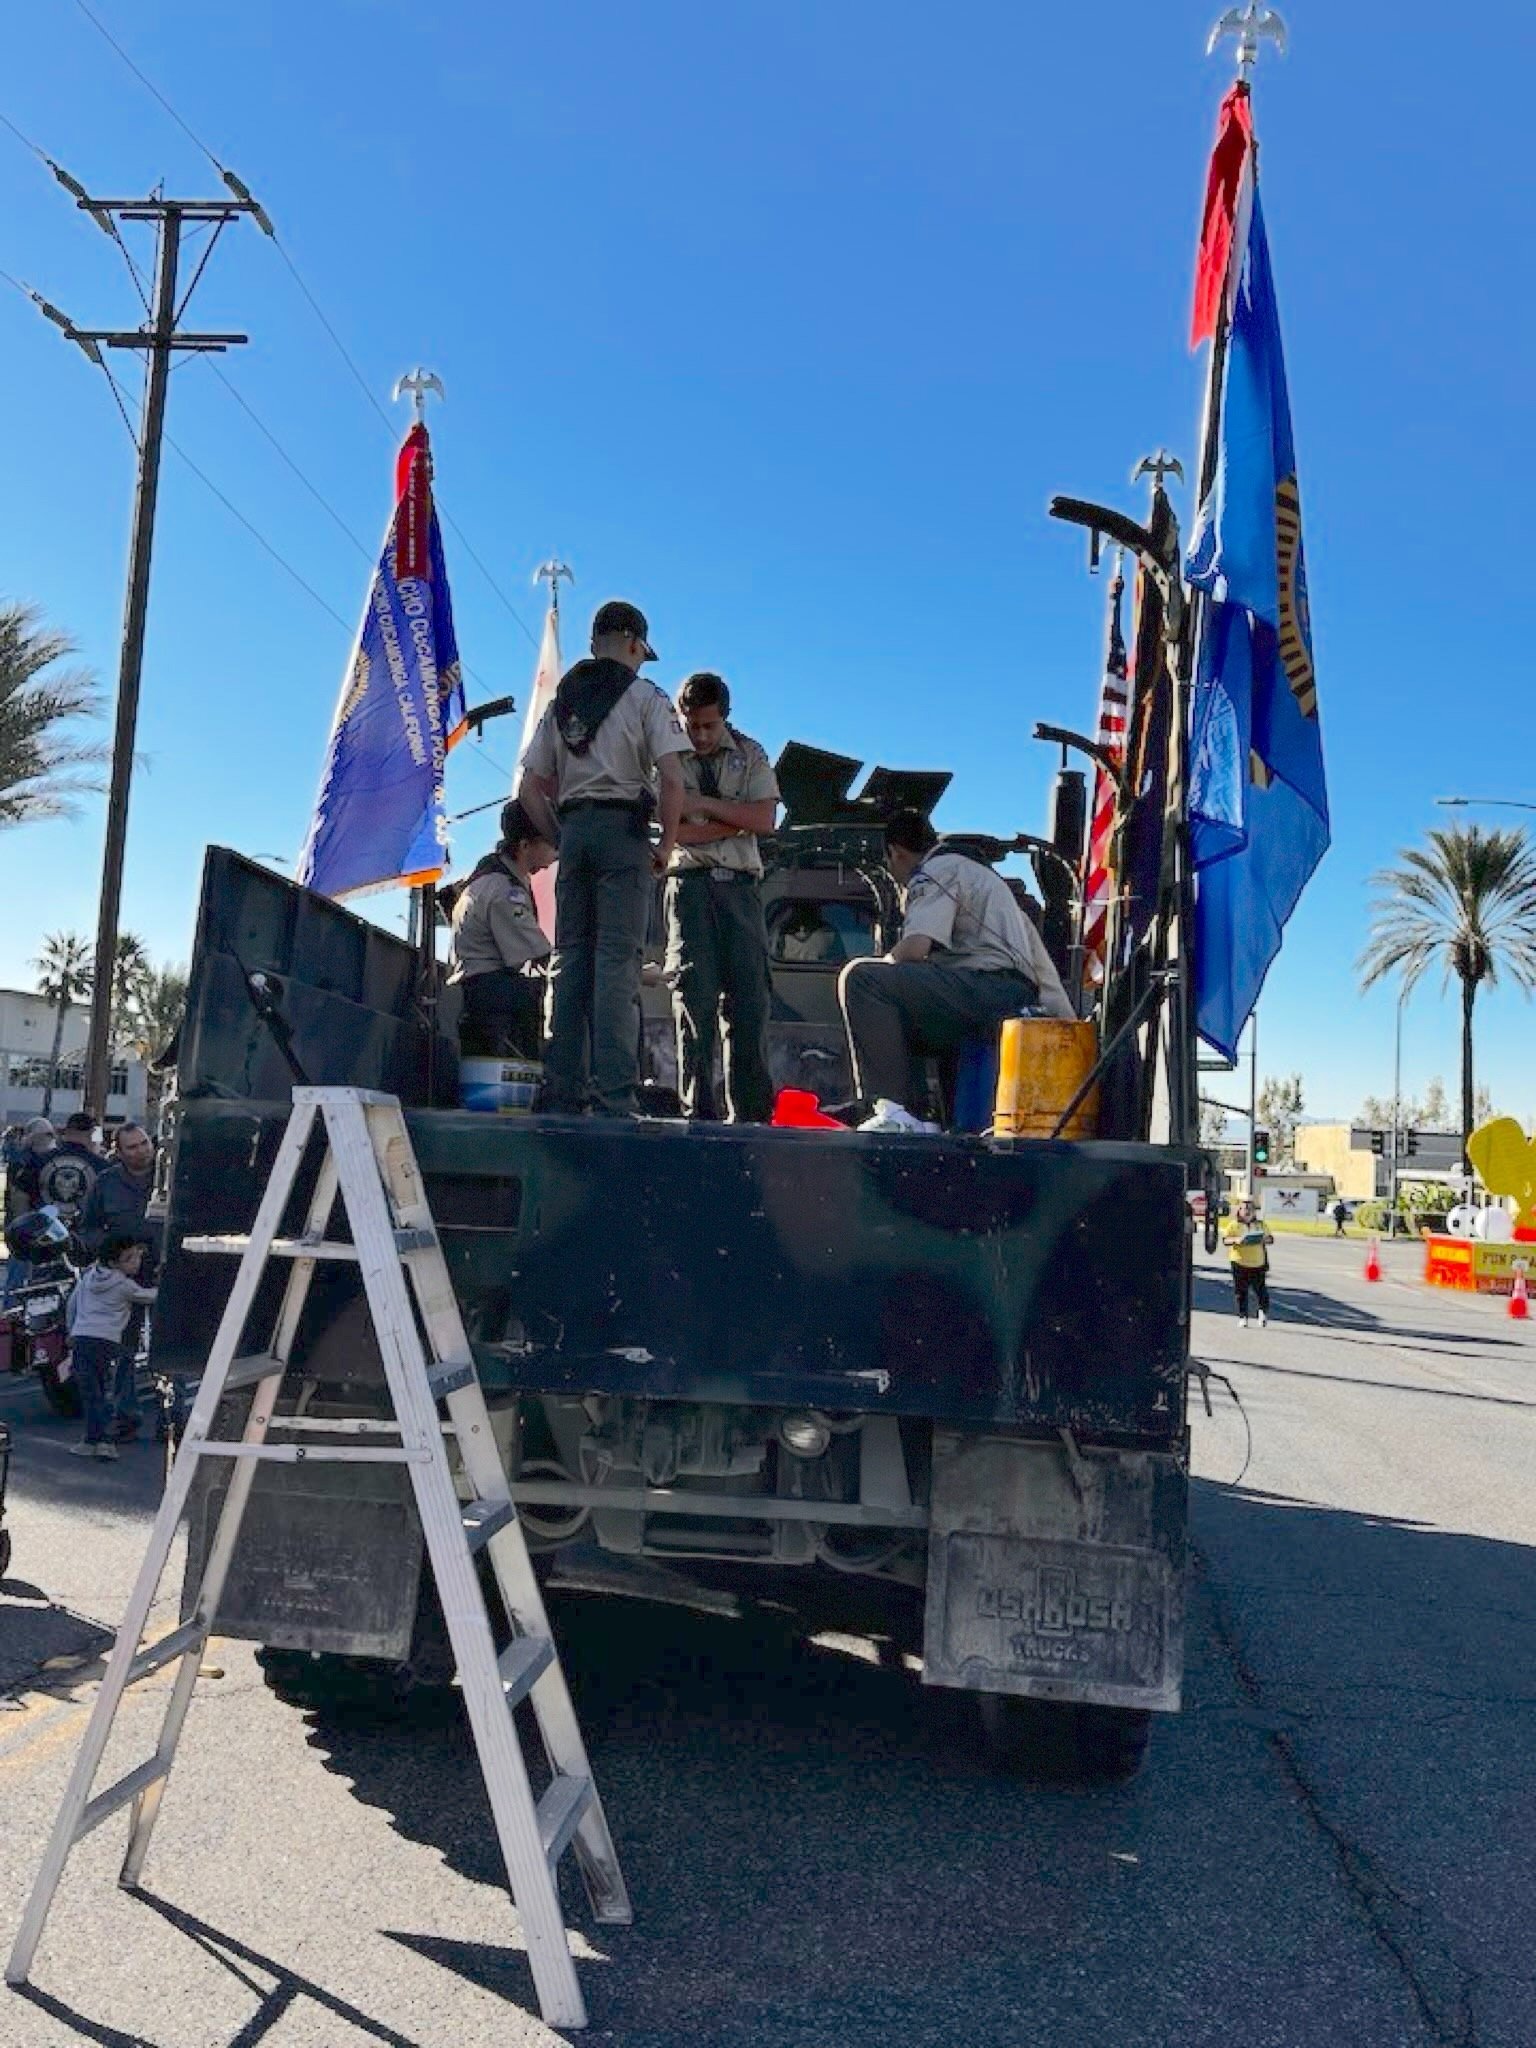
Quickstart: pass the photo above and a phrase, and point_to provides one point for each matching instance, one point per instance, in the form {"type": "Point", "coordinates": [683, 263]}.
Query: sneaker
{"type": "Point", "coordinates": [1263, 1320]}
{"type": "Point", "coordinates": [106, 1451]}
{"type": "Point", "coordinates": [890, 1116]}
{"type": "Point", "coordinates": [1242, 1322]}
{"type": "Point", "coordinates": [83, 1450]}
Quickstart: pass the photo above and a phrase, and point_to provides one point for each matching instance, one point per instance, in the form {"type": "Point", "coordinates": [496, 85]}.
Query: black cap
{"type": "Point", "coordinates": [618, 617]}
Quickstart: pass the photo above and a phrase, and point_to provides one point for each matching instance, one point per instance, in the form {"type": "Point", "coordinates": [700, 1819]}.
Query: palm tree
{"type": "Point", "coordinates": [160, 1003]}
{"type": "Point", "coordinates": [129, 978]}
{"type": "Point", "coordinates": [63, 976]}
{"type": "Point", "coordinates": [1467, 901]}
{"type": "Point", "coordinates": [39, 755]}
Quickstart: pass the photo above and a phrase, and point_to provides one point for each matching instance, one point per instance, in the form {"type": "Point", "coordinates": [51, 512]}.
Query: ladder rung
{"type": "Point", "coordinates": [449, 1375]}
{"type": "Point", "coordinates": [409, 1241]}
{"type": "Point", "coordinates": [190, 1635]}
{"type": "Point", "coordinates": [406, 1242]}
{"type": "Point", "coordinates": [312, 1454]}
{"type": "Point", "coordinates": [105, 1804]}
{"type": "Point", "coordinates": [249, 1371]}
{"type": "Point", "coordinates": [560, 1812]}
{"type": "Point", "coordinates": [484, 1519]}
{"type": "Point", "coordinates": [522, 1664]}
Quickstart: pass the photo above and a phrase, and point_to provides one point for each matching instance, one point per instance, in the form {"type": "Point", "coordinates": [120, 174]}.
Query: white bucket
{"type": "Point", "coordinates": [501, 1087]}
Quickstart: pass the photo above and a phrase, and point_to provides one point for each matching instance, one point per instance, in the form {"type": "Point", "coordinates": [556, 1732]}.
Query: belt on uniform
{"type": "Point", "coordinates": [601, 803]}
{"type": "Point", "coordinates": [718, 874]}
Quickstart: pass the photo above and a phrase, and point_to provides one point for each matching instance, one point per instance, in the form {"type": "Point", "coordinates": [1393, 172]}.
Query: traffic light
{"type": "Point", "coordinates": [1378, 1142]}
{"type": "Point", "coordinates": [1411, 1143]}
{"type": "Point", "coordinates": [1261, 1148]}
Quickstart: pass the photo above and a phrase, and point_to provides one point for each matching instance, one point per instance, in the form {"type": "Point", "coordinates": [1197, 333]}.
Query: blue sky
{"type": "Point", "coordinates": [786, 321]}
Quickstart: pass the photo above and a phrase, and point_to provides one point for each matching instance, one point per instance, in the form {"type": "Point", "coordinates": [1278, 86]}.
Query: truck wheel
{"type": "Point", "coordinates": [62, 1396]}
{"type": "Point", "coordinates": [1111, 1743]}
{"type": "Point", "coordinates": [1088, 1745]}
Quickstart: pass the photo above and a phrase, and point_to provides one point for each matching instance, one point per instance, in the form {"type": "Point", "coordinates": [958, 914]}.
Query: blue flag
{"type": "Point", "coordinates": [379, 818]}
{"type": "Point", "coordinates": [1258, 802]}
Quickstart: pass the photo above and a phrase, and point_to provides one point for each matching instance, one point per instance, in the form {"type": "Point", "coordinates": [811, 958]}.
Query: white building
{"type": "Point", "coordinates": [26, 1040]}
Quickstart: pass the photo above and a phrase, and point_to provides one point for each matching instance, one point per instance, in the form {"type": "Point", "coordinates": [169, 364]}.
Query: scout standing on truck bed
{"type": "Point", "coordinates": [717, 946]}
{"type": "Point", "coordinates": [596, 757]}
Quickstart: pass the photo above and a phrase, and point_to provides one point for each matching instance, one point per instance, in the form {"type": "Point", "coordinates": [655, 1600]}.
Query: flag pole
{"type": "Point", "coordinates": [1252, 26]}
{"type": "Point", "coordinates": [421, 923]}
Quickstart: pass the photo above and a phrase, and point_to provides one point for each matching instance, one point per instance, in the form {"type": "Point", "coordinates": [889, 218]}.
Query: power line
{"type": "Point", "coordinates": [266, 432]}
{"type": "Point", "coordinates": [231, 507]}
{"type": "Point", "coordinates": [315, 307]}
{"type": "Point", "coordinates": [148, 84]}
{"type": "Point", "coordinates": [25, 140]}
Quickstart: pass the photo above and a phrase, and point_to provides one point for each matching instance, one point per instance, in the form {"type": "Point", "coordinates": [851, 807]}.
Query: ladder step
{"type": "Point", "coordinates": [191, 1635]}
{"type": "Point", "coordinates": [406, 1242]}
{"type": "Point", "coordinates": [449, 1375]}
{"type": "Point", "coordinates": [560, 1812]}
{"type": "Point", "coordinates": [105, 1804]}
{"type": "Point", "coordinates": [312, 1454]}
{"type": "Point", "coordinates": [249, 1371]}
{"type": "Point", "coordinates": [522, 1664]}
{"type": "Point", "coordinates": [484, 1519]}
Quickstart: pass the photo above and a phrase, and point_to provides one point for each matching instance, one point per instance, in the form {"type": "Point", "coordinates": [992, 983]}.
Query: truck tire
{"type": "Point", "coordinates": [1089, 1745]}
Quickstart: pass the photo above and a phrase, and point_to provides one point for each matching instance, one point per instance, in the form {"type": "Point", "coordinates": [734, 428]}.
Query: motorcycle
{"type": "Point", "coordinates": [34, 1332]}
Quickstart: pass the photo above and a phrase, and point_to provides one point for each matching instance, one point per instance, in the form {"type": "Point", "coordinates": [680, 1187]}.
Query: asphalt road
{"type": "Point", "coordinates": [1334, 1842]}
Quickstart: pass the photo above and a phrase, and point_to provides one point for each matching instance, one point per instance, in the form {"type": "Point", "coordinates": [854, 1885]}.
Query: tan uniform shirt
{"type": "Point", "coordinates": [967, 909]}
{"type": "Point", "coordinates": [494, 925]}
{"type": "Point", "coordinates": [620, 764]}
{"type": "Point", "coordinates": [745, 777]}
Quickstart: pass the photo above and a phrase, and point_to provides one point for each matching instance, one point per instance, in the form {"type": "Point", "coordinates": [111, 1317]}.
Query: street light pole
{"type": "Point", "coordinates": [1253, 1098]}
{"type": "Point", "coordinates": [1497, 803]}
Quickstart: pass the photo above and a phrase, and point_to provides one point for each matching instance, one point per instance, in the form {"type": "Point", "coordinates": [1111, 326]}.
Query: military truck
{"type": "Point", "coordinates": [949, 1370]}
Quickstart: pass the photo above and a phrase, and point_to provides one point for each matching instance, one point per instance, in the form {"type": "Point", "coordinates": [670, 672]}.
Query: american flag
{"type": "Point", "coordinates": [1113, 702]}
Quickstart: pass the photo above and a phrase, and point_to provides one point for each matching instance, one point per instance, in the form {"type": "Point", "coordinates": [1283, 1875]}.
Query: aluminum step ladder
{"type": "Point", "coordinates": [368, 1159]}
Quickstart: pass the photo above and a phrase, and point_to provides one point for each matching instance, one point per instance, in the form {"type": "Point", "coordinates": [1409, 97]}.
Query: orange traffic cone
{"type": "Point", "coordinates": [1373, 1261]}
{"type": "Point", "coordinates": [1519, 1300]}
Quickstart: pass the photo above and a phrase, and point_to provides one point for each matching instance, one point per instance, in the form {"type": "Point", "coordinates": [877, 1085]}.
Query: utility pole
{"type": "Point", "coordinates": [159, 342]}
{"type": "Point", "coordinates": [1253, 1099]}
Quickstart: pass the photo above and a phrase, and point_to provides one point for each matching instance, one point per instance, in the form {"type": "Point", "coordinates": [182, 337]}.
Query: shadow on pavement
{"type": "Point", "coordinates": [1332, 1841]}
{"type": "Point", "coordinates": [240, 1960]}
{"type": "Point", "coordinates": [1213, 1296]}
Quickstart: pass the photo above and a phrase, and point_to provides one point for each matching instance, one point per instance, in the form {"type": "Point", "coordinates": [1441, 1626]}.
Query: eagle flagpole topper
{"type": "Point", "coordinates": [1253, 26]}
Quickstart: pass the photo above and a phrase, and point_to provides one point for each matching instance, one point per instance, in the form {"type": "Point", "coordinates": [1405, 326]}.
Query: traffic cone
{"type": "Point", "coordinates": [1373, 1261]}
{"type": "Point", "coordinates": [1519, 1300]}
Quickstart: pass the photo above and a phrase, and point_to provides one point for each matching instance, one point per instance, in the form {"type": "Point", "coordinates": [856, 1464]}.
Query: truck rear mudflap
{"type": "Point", "coordinates": [1056, 1571]}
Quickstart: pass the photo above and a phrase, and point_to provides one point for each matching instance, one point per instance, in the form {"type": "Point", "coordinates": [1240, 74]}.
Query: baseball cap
{"type": "Point", "coordinates": [618, 617]}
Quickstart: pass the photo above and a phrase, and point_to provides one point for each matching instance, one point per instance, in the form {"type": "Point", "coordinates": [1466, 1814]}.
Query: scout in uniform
{"type": "Point", "coordinates": [717, 947]}
{"type": "Point", "coordinates": [968, 957]}
{"type": "Point", "coordinates": [590, 777]}
{"type": "Point", "coordinates": [497, 945]}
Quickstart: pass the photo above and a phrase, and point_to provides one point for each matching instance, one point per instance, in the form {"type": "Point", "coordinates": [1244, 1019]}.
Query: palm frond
{"type": "Point", "coordinates": [41, 707]}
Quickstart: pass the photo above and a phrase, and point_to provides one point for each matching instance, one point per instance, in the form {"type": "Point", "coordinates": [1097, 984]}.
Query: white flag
{"type": "Point", "coordinates": [546, 679]}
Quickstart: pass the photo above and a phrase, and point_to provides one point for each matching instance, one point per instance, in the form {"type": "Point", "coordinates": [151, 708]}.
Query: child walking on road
{"type": "Point", "coordinates": [1248, 1243]}
{"type": "Point", "coordinates": [105, 1297]}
